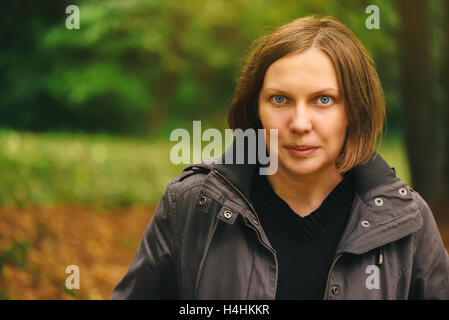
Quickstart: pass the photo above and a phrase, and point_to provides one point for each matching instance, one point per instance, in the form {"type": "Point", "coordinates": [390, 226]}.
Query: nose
{"type": "Point", "coordinates": [301, 120]}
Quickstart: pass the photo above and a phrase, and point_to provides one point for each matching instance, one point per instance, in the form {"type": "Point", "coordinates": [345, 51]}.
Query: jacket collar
{"type": "Point", "coordinates": [398, 218]}
{"type": "Point", "coordinates": [374, 173]}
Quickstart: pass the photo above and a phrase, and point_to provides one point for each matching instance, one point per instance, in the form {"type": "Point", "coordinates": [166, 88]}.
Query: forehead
{"type": "Point", "coordinates": [311, 69]}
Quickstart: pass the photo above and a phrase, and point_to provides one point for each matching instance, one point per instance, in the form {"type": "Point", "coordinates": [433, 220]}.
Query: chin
{"type": "Point", "coordinates": [301, 169]}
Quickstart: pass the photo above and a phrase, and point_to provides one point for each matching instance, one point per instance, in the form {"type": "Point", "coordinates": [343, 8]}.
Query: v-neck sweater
{"type": "Point", "coordinates": [305, 246]}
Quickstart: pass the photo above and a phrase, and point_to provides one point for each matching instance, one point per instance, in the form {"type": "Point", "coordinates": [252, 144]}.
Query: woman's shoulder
{"type": "Point", "coordinates": [190, 178]}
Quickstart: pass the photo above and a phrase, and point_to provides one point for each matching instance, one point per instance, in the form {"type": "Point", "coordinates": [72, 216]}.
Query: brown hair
{"type": "Point", "coordinates": [356, 74]}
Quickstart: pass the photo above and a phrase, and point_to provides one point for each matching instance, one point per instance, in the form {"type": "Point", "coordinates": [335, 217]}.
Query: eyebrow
{"type": "Point", "coordinates": [313, 93]}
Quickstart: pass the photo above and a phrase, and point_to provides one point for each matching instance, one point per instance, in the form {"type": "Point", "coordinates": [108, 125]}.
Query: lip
{"type": "Point", "coordinates": [301, 150]}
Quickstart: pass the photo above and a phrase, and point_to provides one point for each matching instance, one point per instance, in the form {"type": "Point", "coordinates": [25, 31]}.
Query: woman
{"type": "Point", "coordinates": [333, 221]}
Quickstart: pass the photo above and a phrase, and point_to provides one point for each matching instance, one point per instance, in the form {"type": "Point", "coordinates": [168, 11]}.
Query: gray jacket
{"type": "Point", "coordinates": [205, 242]}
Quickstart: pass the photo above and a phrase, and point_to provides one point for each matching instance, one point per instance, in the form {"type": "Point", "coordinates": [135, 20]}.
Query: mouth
{"type": "Point", "coordinates": [301, 150]}
{"type": "Point", "coordinates": [301, 147]}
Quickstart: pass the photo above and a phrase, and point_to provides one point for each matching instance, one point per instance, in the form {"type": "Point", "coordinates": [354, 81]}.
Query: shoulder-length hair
{"type": "Point", "coordinates": [356, 75]}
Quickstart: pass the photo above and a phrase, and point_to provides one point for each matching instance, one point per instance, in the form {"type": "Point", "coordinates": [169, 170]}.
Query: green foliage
{"type": "Point", "coordinates": [393, 151]}
{"type": "Point", "coordinates": [106, 76]}
{"type": "Point", "coordinates": [96, 170]}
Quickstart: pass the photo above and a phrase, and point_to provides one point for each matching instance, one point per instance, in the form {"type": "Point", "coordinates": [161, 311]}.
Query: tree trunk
{"type": "Point", "coordinates": [418, 103]}
{"type": "Point", "coordinates": [161, 101]}
{"type": "Point", "coordinates": [168, 81]}
{"type": "Point", "coordinates": [445, 77]}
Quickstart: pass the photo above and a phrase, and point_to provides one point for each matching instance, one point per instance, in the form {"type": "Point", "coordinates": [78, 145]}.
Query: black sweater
{"type": "Point", "coordinates": [305, 247]}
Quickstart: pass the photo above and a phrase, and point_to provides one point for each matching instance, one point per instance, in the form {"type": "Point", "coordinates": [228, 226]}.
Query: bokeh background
{"type": "Point", "coordinates": [86, 115]}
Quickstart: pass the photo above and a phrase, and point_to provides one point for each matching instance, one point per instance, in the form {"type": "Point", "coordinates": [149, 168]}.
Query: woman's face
{"type": "Point", "coordinates": [300, 97]}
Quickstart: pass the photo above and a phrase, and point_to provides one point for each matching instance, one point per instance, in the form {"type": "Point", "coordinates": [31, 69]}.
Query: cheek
{"type": "Point", "coordinates": [274, 123]}
{"type": "Point", "coordinates": [344, 126]}
{"type": "Point", "coordinates": [332, 128]}
{"type": "Point", "coordinates": [340, 131]}
{"type": "Point", "coordinates": [339, 123]}
{"type": "Point", "coordinates": [263, 114]}
{"type": "Point", "coordinates": [272, 119]}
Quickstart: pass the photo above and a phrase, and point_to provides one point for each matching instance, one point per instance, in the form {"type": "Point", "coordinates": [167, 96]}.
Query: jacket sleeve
{"type": "Point", "coordinates": [430, 274]}
{"type": "Point", "coordinates": [152, 272]}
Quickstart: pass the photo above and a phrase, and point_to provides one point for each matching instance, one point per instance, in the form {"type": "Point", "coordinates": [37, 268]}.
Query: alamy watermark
{"type": "Point", "coordinates": [373, 280]}
{"type": "Point", "coordinates": [73, 20]}
{"type": "Point", "coordinates": [73, 280]}
{"type": "Point", "coordinates": [373, 20]}
{"type": "Point", "coordinates": [255, 149]}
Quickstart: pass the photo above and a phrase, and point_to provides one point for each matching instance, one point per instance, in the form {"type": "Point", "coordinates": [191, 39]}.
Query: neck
{"type": "Point", "coordinates": [304, 193]}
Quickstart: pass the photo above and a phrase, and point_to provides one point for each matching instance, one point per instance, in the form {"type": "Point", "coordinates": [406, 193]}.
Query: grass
{"type": "Point", "coordinates": [101, 170]}
{"type": "Point", "coordinates": [92, 170]}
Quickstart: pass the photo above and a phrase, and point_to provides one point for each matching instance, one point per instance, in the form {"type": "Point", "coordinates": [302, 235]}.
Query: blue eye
{"type": "Point", "coordinates": [325, 100]}
{"type": "Point", "coordinates": [278, 99]}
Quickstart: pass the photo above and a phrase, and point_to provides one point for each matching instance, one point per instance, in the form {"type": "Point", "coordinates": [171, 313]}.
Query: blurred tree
{"type": "Point", "coordinates": [417, 95]}
{"type": "Point", "coordinates": [445, 76]}
{"type": "Point", "coordinates": [145, 65]}
{"type": "Point", "coordinates": [23, 103]}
